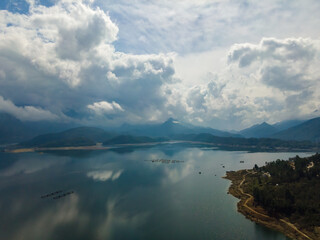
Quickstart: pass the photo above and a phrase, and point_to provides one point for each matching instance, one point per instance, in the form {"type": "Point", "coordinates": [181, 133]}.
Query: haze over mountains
{"type": "Point", "coordinates": [12, 130]}
{"type": "Point", "coordinates": [47, 134]}
{"type": "Point", "coordinates": [81, 136]}
{"type": "Point", "coordinates": [289, 130]}
{"type": "Point", "coordinates": [264, 129]}
{"type": "Point", "coordinates": [309, 130]}
{"type": "Point", "coordinates": [259, 130]}
{"type": "Point", "coordinates": [169, 128]}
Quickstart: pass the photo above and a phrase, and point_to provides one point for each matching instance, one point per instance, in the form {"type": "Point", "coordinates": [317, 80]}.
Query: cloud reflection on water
{"type": "Point", "coordinates": [32, 165]}
{"type": "Point", "coordinates": [119, 223]}
{"type": "Point", "coordinates": [104, 175]}
{"type": "Point", "coordinates": [44, 224]}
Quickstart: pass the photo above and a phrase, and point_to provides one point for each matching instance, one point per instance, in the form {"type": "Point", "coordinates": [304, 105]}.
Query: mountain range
{"type": "Point", "coordinates": [13, 130]}
{"type": "Point", "coordinates": [170, 127]}
{"type": "Point", "coordinates": [89, 136]}
{"type": "Point", "coordinates": [308, 130]}
{"type": "Point", "coordinates": [262, 130]}
{"type": "Point", "coordinates": [81, 136]}
{"type": "Point", "coordinates": [45, 133]}
{"type": "Point", "coordinates": [296, 130]}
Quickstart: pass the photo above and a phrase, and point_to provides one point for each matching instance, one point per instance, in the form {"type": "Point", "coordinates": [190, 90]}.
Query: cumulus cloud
{"type": "Point", "coordinates": [26, 113]}
{"type": "Point", "coordinates": [273, 80]}
{"type": "Point", "coordinates": [286, 64]}
{"type": "Point", "coordinates": [81, 29]}
{"type": "Point", "coordinates": [61, 59]}
{"type": "Point", "coordinates": [72, 59]}
{"type": "Point", "coordinates": [105, 107]}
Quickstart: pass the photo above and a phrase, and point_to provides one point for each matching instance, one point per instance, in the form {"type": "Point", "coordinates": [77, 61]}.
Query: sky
{"type": "Point", "coordinates": [226, 64]}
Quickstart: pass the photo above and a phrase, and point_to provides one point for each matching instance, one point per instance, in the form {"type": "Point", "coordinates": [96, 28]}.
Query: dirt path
{"type": "Point", "coordinates": [250, 197]}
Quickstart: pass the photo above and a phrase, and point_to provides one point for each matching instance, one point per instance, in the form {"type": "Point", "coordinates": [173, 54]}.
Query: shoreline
{"type": "Point", "coordinates": [257, 214]}
{"type": "Point", "coordinates": [93, 147]}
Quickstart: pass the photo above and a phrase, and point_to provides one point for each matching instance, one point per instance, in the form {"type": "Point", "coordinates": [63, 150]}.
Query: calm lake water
{"type": "Point", "coordinates": [124, 195]}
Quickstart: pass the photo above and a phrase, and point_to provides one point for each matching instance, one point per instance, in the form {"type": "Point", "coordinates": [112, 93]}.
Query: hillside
{"type": "Point", "coordinates": [128, 139]}
{"type": "Point", "coordinates": [287, 124]}
{"type": "Point", "coordinates": [263, 144]}
{"type": "Point", "coordinates": [289, 191]}
{"type": "Point", "coordinates": [259, 131]}
{"type": "Point", "coordinates": [81, 136]}
{"type": "Point", "coordinates": [282, 195]}
{"type": "Point", "coordinates": [89, 136]}
{"type": "Point", "coordinates": [168, 128]}
{"type": "Point", "coordinates": [12, 130]}
{"type": "Point", "coordinates": [309, 131]}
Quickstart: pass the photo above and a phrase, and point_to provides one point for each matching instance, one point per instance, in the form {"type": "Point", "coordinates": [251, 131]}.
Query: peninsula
{"type": "Point", "coordinates": [282, 195]}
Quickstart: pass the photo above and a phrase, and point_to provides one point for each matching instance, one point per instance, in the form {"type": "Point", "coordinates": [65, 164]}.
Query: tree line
{"type": "Point", "coordinates": [289, 188]}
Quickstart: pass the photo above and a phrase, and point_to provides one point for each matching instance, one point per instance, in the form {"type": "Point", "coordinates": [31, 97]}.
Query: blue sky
{"type": "Point", "coordinates": [225, 64]}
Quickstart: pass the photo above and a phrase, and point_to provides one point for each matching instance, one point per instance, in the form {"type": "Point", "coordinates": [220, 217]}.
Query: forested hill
{"type": "Point", "coordinates": [88, 136]}
{"type": "Point", "coordinates": [81, 136]}
{"type": "Point", "coordinates": [256, 144]}
{"type": "Point", "coordinates": [290, 189]}
{"type": "Point", "coordinates": [128, 139]}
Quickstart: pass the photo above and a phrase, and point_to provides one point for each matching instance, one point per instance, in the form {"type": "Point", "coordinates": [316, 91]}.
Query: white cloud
{"type": "Point", "coordinates": [273, 80]}
{"type": "Point", "coordinates": [288, 64]}
{"type": "Point", "coordinates": [197, 26]}
{"type": "Point", "coordinates": [76, 59]}
{"type": "Point", "coordinates": [62, 59]}
{"type": "Point", "coordinates": [26, 113]}
{"type": "Point", "coordinates": [105, 107]}
{"type": "Point", "coordinates": [201, 31]}
{"type": "Point", "coordinates": [104, 175]}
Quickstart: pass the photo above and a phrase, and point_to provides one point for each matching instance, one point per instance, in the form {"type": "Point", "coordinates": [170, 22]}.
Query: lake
{"type": "Point", "coordinates": [126, 194]}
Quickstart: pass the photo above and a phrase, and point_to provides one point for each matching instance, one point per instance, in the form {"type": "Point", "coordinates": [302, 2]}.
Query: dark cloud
{"type": "Point", "coordinates": [281, 78]}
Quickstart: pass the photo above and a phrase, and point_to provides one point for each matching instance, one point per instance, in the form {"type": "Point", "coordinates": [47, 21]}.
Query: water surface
{"type": "Point", "coordinates": [124, 195]}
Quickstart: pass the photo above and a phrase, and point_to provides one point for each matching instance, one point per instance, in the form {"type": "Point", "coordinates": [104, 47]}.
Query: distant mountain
{"type": "Point", "coordinates": [265, 130]}
{"type": "Point", "coordinates": [287, 124]}
{"type": "Point", "coordinates": [81, 136]}
{"type": "Point", "coordinates": [12, 130]}
{"type": "Point", "coordinates": [42, 127]}
{"type": "Point", "coordinates": [308, 130]}
{"type": "Point", "coordinates": [89, 136]}
{"type": "Point", "coordinates": [128, 139]}
{"type": "Point", "coordinates": [262, 130]}
{"type": "Point", "coordinates": [169, 128]}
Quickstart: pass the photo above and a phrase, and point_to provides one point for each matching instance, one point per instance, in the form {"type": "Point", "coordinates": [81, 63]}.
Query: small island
{"type": "Point", "coordinates": [282, 195]}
